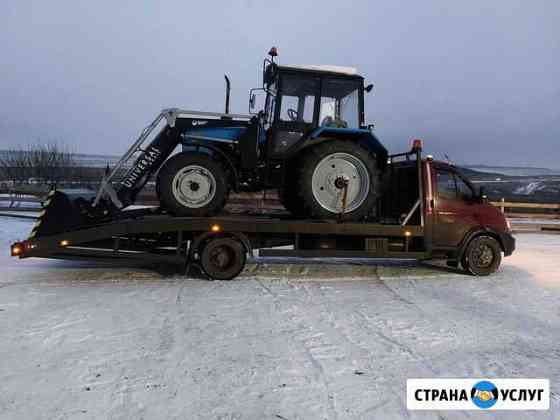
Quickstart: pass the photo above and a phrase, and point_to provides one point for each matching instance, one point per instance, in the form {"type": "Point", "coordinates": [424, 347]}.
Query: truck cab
{"type": "Point", "coordinates": [458, 221]}
{"type": "Point", "coordinates": [457, 207]}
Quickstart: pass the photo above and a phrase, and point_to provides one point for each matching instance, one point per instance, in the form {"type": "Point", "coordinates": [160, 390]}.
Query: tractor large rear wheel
{"type": "Point", "coordinates": [338, 179]}
{"type": "Point", "coordinates": [289, 195]}
{"type": "Point", "coordinates": [192, 184]}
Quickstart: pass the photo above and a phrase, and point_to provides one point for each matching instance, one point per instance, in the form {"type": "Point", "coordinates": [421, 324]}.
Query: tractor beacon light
{"type": "Point", "coordinates": [417, 144]}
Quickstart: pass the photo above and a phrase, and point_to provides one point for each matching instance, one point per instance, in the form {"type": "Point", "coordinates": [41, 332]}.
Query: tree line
{"type": "Point", "coordinates": [40, 163]}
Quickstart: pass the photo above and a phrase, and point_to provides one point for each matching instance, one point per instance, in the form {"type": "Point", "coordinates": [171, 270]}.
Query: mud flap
{"type": "Point", "coordinates": [65, 211]}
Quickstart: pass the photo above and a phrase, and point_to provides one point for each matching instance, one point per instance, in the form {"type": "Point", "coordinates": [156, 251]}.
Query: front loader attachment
{"type": "Point", "coordinates": [64, 211]}
{"type": "Point", "coordinates": [68, 210]}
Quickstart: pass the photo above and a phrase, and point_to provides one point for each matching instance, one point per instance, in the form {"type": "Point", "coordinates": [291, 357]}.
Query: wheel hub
{"type": "Point", "coordinates": [335, 173]}
{"type": "Point", "coordinates": [221, 257]}
{"type": "Point", "coordinates": [341, 182]}
{"type": "Point", "coordinates": [483, 255]}
{"type": "Point", "coordinates": [194, 186]}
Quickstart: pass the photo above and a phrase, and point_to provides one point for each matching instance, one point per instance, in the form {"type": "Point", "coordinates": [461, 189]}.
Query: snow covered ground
{"type": "Point", "coordinates": [86, 342]}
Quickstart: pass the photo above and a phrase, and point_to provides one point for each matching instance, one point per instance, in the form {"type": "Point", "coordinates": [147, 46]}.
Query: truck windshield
{"type": "Point", "coordinates": [339, 103]}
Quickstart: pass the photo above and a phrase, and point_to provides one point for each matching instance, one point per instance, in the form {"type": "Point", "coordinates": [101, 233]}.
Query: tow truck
{"type": "Point", "coordinates": [426, 210]}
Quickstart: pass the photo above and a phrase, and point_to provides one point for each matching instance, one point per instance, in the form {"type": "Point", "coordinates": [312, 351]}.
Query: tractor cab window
{"type": "Point", "coordinates": [298, 98]}
{"type": "Point", "coordinates": [340, 103]}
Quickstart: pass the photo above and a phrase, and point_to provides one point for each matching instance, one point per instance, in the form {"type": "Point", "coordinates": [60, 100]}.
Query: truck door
{"type": "Point", "coordinates": [456, 208]}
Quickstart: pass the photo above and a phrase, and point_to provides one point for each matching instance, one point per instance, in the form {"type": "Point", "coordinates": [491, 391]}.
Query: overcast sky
{"type": "Point", "coordinates": [477, 79]}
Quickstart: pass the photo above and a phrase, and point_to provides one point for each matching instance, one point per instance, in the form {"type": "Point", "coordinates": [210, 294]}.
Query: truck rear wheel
{"type": "Point", "coordinates": [223, 258]}
{"type": "Point", "coordinates": [192, 184]}
{"type": "Point", "coordinates": [331, 167]}
{"type": "Point", "coordinates": [482, 256]}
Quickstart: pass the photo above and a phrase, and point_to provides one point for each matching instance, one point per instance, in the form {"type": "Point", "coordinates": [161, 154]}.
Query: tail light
{"type": "Point", "coordinates": [17, 249]}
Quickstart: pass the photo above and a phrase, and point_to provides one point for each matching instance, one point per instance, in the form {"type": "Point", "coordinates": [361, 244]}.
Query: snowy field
{"type": "Point", "coordinates": [85, 342]}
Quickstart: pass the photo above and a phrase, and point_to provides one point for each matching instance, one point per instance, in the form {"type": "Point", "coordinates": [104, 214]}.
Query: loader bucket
{"type": "Point", "coordinates": [62, 212]}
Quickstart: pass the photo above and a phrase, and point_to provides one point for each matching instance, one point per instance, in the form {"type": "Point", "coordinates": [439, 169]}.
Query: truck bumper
{"type": "Point", "coordinates": [508, 242]}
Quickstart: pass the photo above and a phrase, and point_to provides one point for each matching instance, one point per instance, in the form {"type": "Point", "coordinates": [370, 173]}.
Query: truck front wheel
{"type": "Point", "coordinates": [482, 256]}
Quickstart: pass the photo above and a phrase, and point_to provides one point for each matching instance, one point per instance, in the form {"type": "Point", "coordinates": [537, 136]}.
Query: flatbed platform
{"type": "Point", "coordinates": [142, 237]}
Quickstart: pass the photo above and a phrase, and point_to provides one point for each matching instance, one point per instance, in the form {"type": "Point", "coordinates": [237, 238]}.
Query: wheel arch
{"type": "Point", "coordinates": [476, 232]}
{"type": "Point", "coordinates": [363, 137]}
{"type": "Point", "coordinates": [223, 156]}
{"type": "Point", "coordinates": [201, 238]}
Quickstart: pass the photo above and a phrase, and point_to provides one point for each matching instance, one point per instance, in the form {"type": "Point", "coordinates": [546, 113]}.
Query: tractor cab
{"type": "Point", "coordinates": [302, 99]}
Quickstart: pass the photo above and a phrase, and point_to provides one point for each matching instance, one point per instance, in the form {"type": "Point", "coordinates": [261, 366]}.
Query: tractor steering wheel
{"type": "Point", "coordinates": [292, 114]}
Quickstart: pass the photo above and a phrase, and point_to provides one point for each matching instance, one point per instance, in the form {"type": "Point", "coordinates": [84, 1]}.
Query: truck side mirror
{"type": "Point", "coordinates": [482, 194]}
{"type": "Point", "coordinates": [252, 101]}
{"type": "Point", "coordinates": [368, 88]}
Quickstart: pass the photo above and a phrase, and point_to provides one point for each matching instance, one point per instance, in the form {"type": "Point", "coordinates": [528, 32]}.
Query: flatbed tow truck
{"type": "Point", "coordinates": [427, 210]}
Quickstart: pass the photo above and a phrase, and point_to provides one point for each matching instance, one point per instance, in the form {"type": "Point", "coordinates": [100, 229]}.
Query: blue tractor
{"type": "Point", "coordinates": [308, 141]}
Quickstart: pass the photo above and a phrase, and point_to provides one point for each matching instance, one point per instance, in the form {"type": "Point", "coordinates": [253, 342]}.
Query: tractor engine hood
{"type": "Point", "coordinates": [219, 134]}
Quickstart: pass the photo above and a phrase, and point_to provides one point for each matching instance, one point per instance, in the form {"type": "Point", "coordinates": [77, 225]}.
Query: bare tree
{"type": "Point", "coordinates": [44, 163]}
{"type": "Point", "coordinates": [14, 166]}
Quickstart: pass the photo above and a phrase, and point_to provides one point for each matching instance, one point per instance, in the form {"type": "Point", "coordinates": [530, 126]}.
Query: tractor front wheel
{"type": "Point", "coordinates": [192, 184]}
{"type": "Point", "coordinates": [338, 179]}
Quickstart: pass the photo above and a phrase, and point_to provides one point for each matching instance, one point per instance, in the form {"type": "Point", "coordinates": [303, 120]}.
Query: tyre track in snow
{"type": "Point", "coordinates": [304, 336]}
{"type": "Point", "coordinates": [361, 321]}
{"type": "Point", "coordinates": [330, 348]}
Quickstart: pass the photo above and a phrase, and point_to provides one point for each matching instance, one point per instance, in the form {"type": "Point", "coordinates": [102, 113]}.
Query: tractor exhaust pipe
{"type": "Point", "coordinates": [228, 89]}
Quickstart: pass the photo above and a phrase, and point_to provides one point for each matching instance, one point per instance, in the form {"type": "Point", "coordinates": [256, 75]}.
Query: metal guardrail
{"type": "Point", "coordinates": [14, 203]}
{"type": "Point", "coordinates": [506, 204]}
{"type": "Point", "coordinates": [536, 221]}
{"type": "Point", "coordinates": [553, 212]}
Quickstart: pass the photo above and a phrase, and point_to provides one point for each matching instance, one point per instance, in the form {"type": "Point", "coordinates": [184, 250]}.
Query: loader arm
{"type": "Point", "coordinates": [147, 163]}
{"type": "Point", "coordinates": [150, 160]}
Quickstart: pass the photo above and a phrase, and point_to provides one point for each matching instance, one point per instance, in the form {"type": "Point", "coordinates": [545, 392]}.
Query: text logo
{"type": "Point", "coordinates": [141, 166]}
{"type": "Point", "coordinates": [478, 394]}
